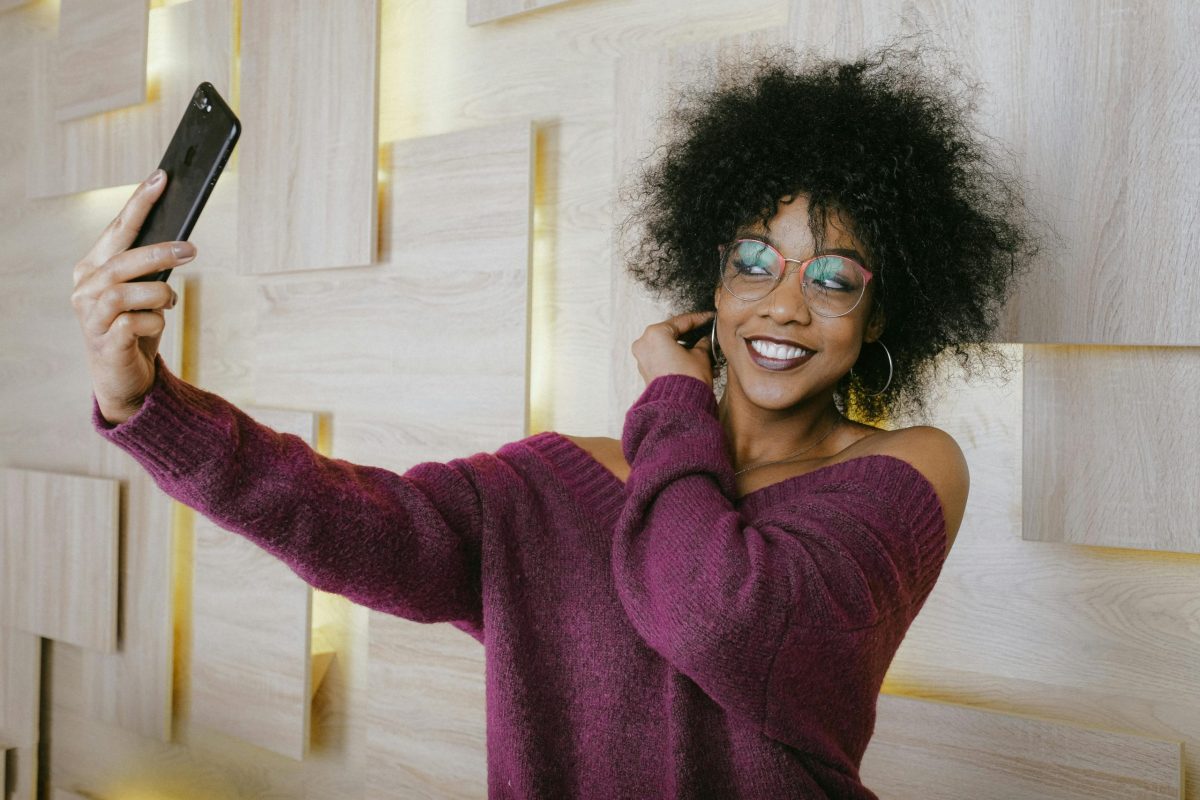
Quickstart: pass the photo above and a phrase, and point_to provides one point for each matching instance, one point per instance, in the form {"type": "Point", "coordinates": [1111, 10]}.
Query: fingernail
{"type": "Point", "coordinates": [155, 177]}
{"type": "Point", "coordinates": [174, 299]}
{"type": "Point", "coordinates": [183, 250]}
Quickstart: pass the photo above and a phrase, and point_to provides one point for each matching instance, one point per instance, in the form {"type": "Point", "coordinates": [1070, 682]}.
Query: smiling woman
{"type": "Point", "coordinates": [706, 608]}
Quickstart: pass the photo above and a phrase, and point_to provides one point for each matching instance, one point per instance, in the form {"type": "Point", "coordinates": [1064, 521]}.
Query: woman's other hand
{"type": "Point", "coordinates": [659, 353]}
{"type": "Point", "coordinates": [123, 321]}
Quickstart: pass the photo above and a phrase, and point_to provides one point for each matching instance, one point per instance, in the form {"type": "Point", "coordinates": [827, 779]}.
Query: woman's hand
{"type": "Point", "coordinates": [123, 321]}
{"type": "Point", "coordinates": [659, 353]}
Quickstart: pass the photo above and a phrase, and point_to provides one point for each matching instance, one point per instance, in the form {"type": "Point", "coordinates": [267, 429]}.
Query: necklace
{"type": "Point", "coordinates": [836, 423]}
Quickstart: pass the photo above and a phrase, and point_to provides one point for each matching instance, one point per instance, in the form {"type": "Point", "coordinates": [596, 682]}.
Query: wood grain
{"type": "Point", "coordinates": [1108, 146]}
{"type": "Point", "coordinates": [5, 5]}
{"type": "Point", "coordinates": [426, 726]}
{"type": "Point", "coordinates": [481, 11]}
{"type": "Point", "coordinates": [58, 557]}
{"type": "Point", "coordinates": [100, 57]}
{"type": "Point", "coordinates": [20, 687]}
{"type": "Point", "coordinates": [252, 630]}
{"type": "Point", "coordinates": [1108, 448]}
{"type": "Point", "coordinates": [308, 177]}
{"type": "Point", "coordinates": [925, 750]}
{"type": "Point", "coordinates": [188, 43]}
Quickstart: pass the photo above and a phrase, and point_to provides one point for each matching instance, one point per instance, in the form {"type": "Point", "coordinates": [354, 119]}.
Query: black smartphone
{"type": "Point", "coordinates": [193, 161]}
{"type": "Point", "coordinates": [693, 337]}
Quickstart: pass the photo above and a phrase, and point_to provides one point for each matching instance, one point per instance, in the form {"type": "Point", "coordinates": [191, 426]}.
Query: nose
{"type": "Point", "coordinates": [787, 302]}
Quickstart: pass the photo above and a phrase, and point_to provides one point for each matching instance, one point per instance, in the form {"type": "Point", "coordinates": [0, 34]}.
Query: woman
{"type": "Point", "coordinates": [708, 607]}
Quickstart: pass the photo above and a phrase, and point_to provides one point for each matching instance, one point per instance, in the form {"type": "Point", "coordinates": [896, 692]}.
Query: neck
{"type": "Point", "coordinates": [756, 434]}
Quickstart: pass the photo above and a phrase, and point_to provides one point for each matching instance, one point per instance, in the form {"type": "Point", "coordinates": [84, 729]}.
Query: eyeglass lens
{"type": "Point", "coordinates": [833, 285]}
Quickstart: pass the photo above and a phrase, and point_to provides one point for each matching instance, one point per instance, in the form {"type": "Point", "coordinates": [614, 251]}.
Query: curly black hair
{"type": "Point", "coordinates": [886, 143]}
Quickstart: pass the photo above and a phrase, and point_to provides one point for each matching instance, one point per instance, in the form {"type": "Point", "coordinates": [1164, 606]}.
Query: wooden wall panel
{"type": "Point", "coordinates": [131, 688]}
{"type": "Point", "coordinates": [1109, 454]}
{"type": "Point", "coordinates": [431, 677]}
{"type": "Point", "coordinates": [23, 773]}
{"type": "Point", "coordinates": [100, 56]}
{"type": "Point", "coordinates": [925, 750]}
{"type": "Point", "coordinates": [188, 43]}
{"type": "Point", "coordinates": [58, 557]}
{"type": "Point", "coordinates": [251, 630]}
{"type": "Point", "coordinates": [20, 687]}
{"type": "Point", "coordinates": [643, 84]}
{"type": "Point", "coordinates": [481, 11]}
{"type": "Point", "coordinates": [5, 5]}
{"type": "Point", "coordinates": [308, 185]}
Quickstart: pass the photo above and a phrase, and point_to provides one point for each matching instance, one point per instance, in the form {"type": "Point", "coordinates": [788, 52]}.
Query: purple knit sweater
{"type": "Point", "coordinates": [661, 638]}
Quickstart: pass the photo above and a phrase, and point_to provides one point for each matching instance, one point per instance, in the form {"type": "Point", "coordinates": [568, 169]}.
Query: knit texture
{"type": "Point", "coordinates": [659, 638]}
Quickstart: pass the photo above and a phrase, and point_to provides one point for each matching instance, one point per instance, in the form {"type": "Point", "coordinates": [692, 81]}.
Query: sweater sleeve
{"type": "Point", "coordinates": [800, 590]}
{"type": "Point", "coordinates": [408, 545]}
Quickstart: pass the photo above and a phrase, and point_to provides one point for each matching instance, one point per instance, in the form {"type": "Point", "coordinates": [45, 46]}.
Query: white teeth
{"type": "Point", "coordinates": [781, 352]}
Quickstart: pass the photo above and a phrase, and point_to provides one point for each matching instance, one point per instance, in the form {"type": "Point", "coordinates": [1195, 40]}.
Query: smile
{"type": "Point", "coordinates": [776, 357]}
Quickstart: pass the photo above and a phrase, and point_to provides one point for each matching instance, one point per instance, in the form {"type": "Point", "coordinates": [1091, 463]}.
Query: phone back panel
{"type": "Point", "coordinates": [193, 161]}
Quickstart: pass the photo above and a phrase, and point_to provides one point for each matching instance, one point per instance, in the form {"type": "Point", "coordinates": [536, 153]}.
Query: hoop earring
{"type": "Point", "coordinates": [890, 370]}
{"type": "Point", "coordinates": [715, 347]}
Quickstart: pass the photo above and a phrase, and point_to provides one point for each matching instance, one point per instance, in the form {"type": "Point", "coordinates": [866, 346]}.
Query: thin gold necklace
{"type": "Point", "coordinates": [836, 423]}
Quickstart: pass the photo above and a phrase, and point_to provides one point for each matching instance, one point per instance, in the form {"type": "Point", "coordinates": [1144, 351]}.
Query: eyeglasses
{"type": "Point", "coordinates": [833, 285]}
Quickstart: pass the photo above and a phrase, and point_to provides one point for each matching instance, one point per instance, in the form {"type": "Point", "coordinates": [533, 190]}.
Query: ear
{"type": "Point", "coordinates": [717, 297]}
{"type": "Point", "coordinates": [875, 325]}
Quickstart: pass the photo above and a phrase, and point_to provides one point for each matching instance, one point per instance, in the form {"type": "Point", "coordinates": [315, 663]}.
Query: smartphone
{"type": "Point", "coordinates": [193, 161]}
{"type": "Point", "coordinates": [693, 337]}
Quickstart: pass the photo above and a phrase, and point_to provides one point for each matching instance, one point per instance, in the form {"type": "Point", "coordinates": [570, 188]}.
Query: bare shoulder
{"type": "Point", "coordinates": [605, 450]}
{"type": "Point", "coordinates": [936, 455]}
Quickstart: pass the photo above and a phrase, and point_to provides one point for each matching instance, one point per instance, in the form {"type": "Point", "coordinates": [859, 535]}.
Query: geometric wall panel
{"type": "Point", "coordinates": [187, 43]}
{"type": "Point", "coordinates": [432, 678]}
{"type": "Point", "coordinates": [100, 56]}
{"type": "Point", "coordinates": [1108, 147]}
{"type": "Point", "coordinates": [132, 687]}
{"type": "Point", "coordinates": [1110, 446]}
{"type": "Point", "coordinates": [22, 774]}
{"type": "Point", "coordinates": [423, 356]}
{"type": "Point", "coordinates": [20, 686]}
{"type": "Point", "coordinates": [929, 750]}
{"type": "Point", "coordinates": [58, 556]}
{"type": "Point", "coordinates": [480, 11]}
{"type": "Point", "coordinates": [307, 188]}
{"type": "Point", "coordinates": [251, 629]}
{"type": "Point", "coordinates": [5, 5]}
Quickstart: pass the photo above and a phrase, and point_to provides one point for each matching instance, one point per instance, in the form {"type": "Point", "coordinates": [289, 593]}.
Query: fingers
{"type": "Point", "coordinates": [678, 325]}
{"type": "Point", "coordinates": [143, 261]}
{"type": "Point", "coordinates": [109, 310]}
{"type": "Point", "coordinates": [121, 232]}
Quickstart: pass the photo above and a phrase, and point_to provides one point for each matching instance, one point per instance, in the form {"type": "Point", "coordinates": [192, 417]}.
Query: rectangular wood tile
{"type": "Point", "coordinates": [433, 341]}
{"type": "Point", "coordinates": [5, 5]}
{"type": "Point", "coordinates": [926, 750]}
{"type": "Point", "coordinates": [1108, 147]}
{"type": "Point", "coordinates": [20, 686]}
{"type": "Point", "coordinates": [307, 192]}
{"type": "Point", "coordinates": [432, 677]}
{"type": "Point", "coordinates": [481, 11]}
{"type": "Point", "coordinates": [100, 56]}
{"type": "Point", "coordinates": [251, 630]}
{"type": "Point", "coordinates": [58, 557]}
{"type": "Point", "coordinates": [188, 43]}
{"type": "Point", "coordinates": [1109, 452]}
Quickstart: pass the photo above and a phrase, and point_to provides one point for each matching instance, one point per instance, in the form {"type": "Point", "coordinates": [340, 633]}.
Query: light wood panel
{"type": "Point", "coordinates": [925, 750]}
{"type": "Point", "coordinates": [132, 687]}
{"type": "Point", "coordinates": [426, 724]}
{"type": "Point", "coordinates": [251, 630]}
{"type": "Point", "coordinates": [188, 43]}
{"type": "Point", "coordinates": [308, 187]}
{"type": "Point", "coordinates": [1109, 447]}
{"type": "Point", "coordinates": [20, 686]}
{"type": "Point", "coordinates": [23, 773]}
{"type": "Point", "coordinates": [58, 557]}
{"type": "Point", "coordinates": [644, 84]}
{"type": "Point", "coordinates": [481, 11]}
{"type": "Point", "coordinates": [433, 340]}
{"type": "Point", "coordinates": [5, 5]}
{"type": "Point", "coordinates": [100, 56]}
{"type": "Point", "coordinates": [63, 794]}
{"type": "Point", "coordinates": [1107, 144]}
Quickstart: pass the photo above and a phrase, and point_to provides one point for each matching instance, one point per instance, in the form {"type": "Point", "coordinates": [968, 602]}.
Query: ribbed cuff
{"type": "Point", "coordinates": [680, 390]}
{"type": "Point", "coordinates": [178, 429]}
